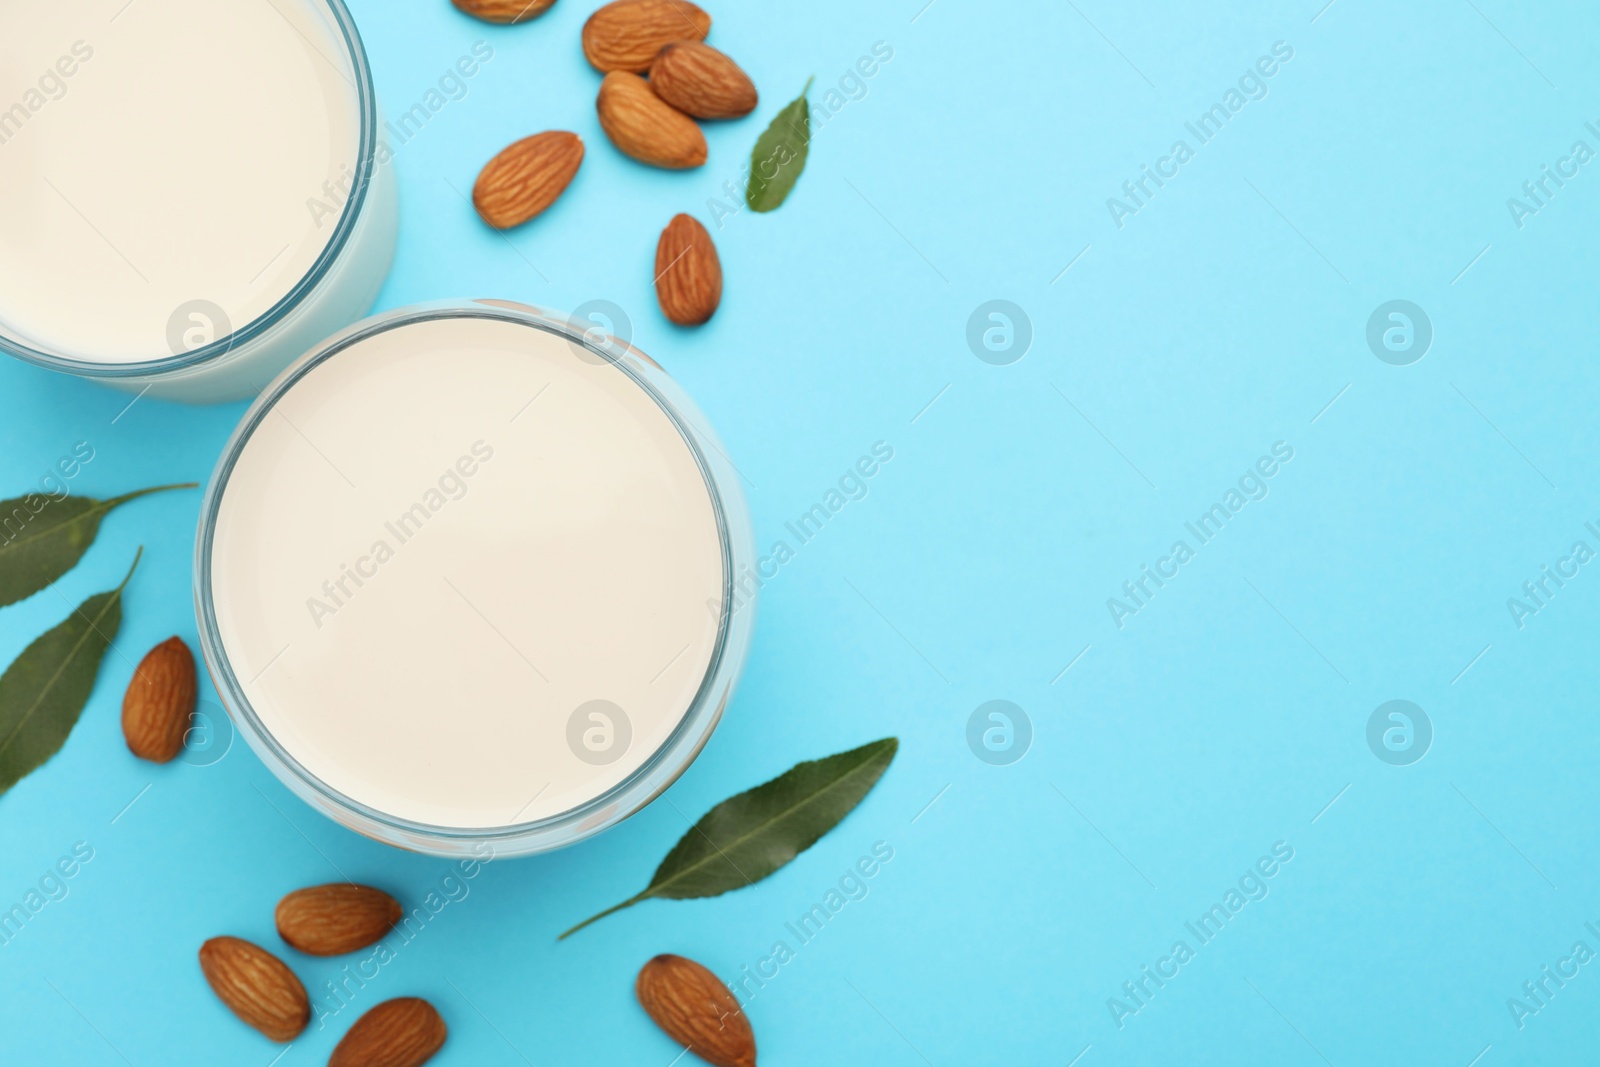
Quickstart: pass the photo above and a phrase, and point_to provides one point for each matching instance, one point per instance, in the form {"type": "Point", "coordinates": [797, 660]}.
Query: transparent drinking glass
{"type": "Point", "coordinates": [212, 359]}
{"type": "Point", "coordinates": [734, 620]}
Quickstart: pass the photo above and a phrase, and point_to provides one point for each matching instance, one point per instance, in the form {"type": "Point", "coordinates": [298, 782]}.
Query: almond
{"type": "Point", "coordinates": [159, 701]}
{"type": "Point", "coordinates": [645, 127]}
{"type": "Point", "coordinates": [258, 986]}
{"type": "Point", "coordinates": [688, 272]}
{"type": "Point", "coordinates": [700, 81]}
{"type": "Point", "coordinates": [627, 34]}
{"type": "Point", "coordinates": [526, 177]}
{"type": "Point", "coordinates": [696, 1011]}
{"type": "Point", "coordinates": [404, 1032]}
{"type": "Point", "coordinates": [330, 920]}
{"type": "Point", "coordinates": [504, 10]}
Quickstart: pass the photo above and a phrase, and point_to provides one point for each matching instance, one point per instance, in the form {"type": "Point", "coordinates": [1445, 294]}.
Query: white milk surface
{"type": "Point", "coordinates": [162, 152]}
{"type": "Point", "coordinates": [439, 545]}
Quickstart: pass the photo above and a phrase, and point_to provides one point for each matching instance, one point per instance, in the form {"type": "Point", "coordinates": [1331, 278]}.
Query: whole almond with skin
{"type": "Point", "coordinates": [258, 986]}
{"type": "Point", "coordinates": [646, 127]}
{"type": "Point", "coordinates": [701, 81]}
{"type": "Point", "coordinates": [330, 920]}
{"type": "Point", "coordinates": [627, 34]}
{"type": "Point", "coordinates": [404, 1032]}
{"type": "Point", "coordinates": [504, 10]}
{"type": "Point", "coordinates": [159, 701]}
{"type": "Point", "coordinates": [696, 1010]}
{"type": "Point", "coordinates": [688, 272]}
{"type": "Point", "coordinates": [526, 177]}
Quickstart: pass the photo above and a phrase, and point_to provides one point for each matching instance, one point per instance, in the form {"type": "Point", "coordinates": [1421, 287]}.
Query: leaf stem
{"type": "Point", "coordinates": [630, 902]}
{"type": "Point", "coordinates": [137, 493]}
{"type": "Point", "coordinates": [136, 557]}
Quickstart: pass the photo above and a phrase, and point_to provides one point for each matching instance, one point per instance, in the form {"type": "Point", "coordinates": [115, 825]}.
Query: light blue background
{"type": "Point", "coordinates": [1223, 317]}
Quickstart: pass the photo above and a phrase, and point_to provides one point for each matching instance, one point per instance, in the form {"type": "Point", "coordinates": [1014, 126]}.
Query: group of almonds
{"type": "Point", "coordinates": [683, 997]}
{"type": "Point", "coordinates": [323, 920]}
{"type": "Point", "coordinates": [660, 76]}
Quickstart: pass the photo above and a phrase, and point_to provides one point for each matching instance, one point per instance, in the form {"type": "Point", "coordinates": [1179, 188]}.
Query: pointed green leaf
{"type": "Point", "coordinates": [44, 690]}
{"type": "Point", "coordinates": [747, 837]}
{"type": "Point", "coordinates": [42, 537]}
{"type": "Point", "coordinates": [780, 155]}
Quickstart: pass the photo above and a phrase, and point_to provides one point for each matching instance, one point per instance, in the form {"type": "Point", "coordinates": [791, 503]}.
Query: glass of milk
{"type": "Point", "coordinates": [469, 576]}
{"type": "Point", "coordinates": [193, 189]}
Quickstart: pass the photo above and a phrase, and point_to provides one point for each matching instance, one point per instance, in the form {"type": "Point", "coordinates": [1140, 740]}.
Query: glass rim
{"type": "Point", "coordinates": [639, 786]}
{"type": "Point", "coordinates": [366, 167]}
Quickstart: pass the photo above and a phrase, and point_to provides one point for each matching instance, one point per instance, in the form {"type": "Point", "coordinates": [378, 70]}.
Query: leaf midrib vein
{"type": "Point", "coordinates": [734, 845]}
{"type": "Point", "coordinates": [98, 511]}
{"type": "Point", "coordinates": [94, 627]}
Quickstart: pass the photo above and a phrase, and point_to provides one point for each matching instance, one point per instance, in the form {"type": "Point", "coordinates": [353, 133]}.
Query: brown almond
{"type": "Point", "coordinates": [330, 920]}
{"type": "Point", "coordinates": [645, 127]}
{"type": "Point", "coordinates": [526, 177]}
{"type": "Point", "coordinates": [627, 34]}
{"type": "Point", "coordinates": [159, 701]}
{"type": "Point", "coordinates": [504, 10]}
{"type": "Point", "coordinates": [258, 986]}
{"type": "Point", "coordinates": [688, 272]}
{"type": "Point", "coordinates": [701, 81]}
{"type": "Point", "coordinates": [696, 1011]}
{"type": "Point", "coordinates": [404, 1032]}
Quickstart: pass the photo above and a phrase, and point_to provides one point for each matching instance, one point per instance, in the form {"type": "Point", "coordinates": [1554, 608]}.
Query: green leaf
{"type": "Point", "coordinates": [780, 155]}
{"type": "Point", "coordinates": [43, 537]}
{"type": "Point", "coordinates": [747, 837]}
{"type": "Point", "coordinates": [44, 690]}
